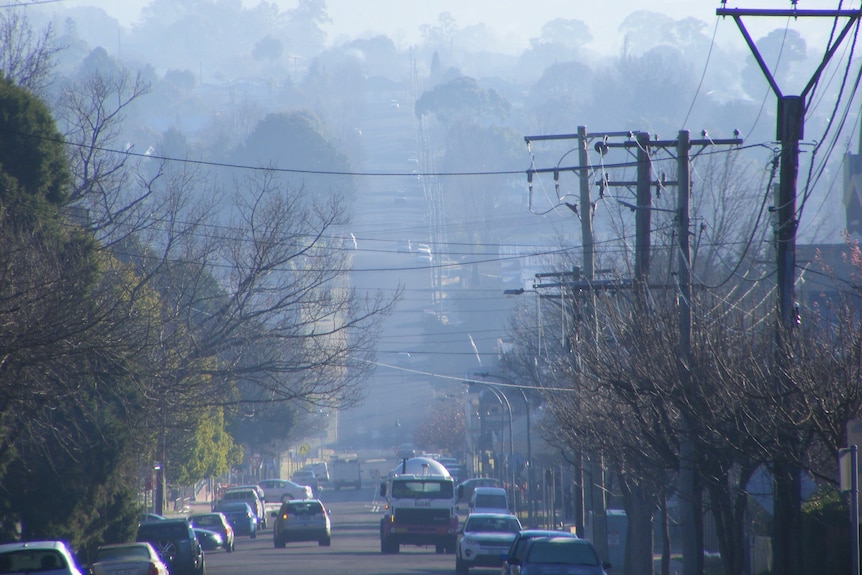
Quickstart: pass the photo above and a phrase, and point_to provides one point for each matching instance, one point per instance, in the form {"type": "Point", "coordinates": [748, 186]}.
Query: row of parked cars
{"type": "Point", "coordinates": [176, 546]}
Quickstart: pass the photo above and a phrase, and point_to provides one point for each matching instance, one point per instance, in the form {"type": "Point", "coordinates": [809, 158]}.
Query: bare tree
{"type": "Point", "coordinates": [26, 57]}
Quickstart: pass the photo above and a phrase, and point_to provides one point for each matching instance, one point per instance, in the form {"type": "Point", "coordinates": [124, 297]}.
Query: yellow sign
{"type": "Point", "coordinates": [303, 449]}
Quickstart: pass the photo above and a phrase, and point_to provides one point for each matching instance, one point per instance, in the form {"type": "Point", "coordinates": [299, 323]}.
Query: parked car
{"type": "Point", "coordinates": [127, 559]}
{"type": "Point", "coordinates": [301, 520]}
{"type": "Point", "coordinates": [251, 497]}
{"type": "Point", "coordinates": [512, 559]}
{"type": "Point", "coordinates": [150, 517]}
{"type": "Point", "coordinates": [53, 556]}
{"type": "Point", "coordinates": [466, 487]}
{"type": "Point", "coordinates": [239, 514]}
{"type": "Point", "coordinates": [215, 522]}
{"type": "Point", "coordinates": [484, 539]}
{"type": "Point", "coordinates": [278, 490]}
{"type": "Point", "coordinates": [489, 500]}
{"type": "Point", "coordinates": [175, 542]}
{"type": "Point", "coordinates": [209, 540]}
{"type": "Point", "coordinates": [306, 477]}
{"type": "Point", "coordinates": [563, 555]}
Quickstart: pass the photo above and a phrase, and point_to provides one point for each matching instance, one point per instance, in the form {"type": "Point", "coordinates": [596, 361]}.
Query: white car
{"type": "Point", "coordinates": [484, 539]}
{"type": "Point", "coordinates": [489, 500]}
{"type": "Point", "coordinates": [127, 559]}
{"type": "Point", "coordinates": [46, 557]}
{"type": "Point", "coordinates": [278, 490]}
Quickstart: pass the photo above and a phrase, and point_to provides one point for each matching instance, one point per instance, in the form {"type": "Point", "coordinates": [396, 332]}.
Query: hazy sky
{"type": "Point", "coordinates": [401, 19]}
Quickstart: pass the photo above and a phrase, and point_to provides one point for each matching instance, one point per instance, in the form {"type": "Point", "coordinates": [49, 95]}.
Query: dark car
{"type": "Point", "coordinates": [240, 516]}
{"type": "Point", "coordinates": [562, 556]}
{"type": "Point", "coordinates": [250, 496]}
{"type": "Point", "coordinates": [209, 540]}
{"type": "Point", "coordinates": [516, 550]}
{"type": "Point", "coordinates": [466, 488]}
{"type": "Point", "coordinates": [301, 520]}
{"type": "Point", "coordinates": [215, 522]}
{"type": "Point", "coordinates": [175, 542]}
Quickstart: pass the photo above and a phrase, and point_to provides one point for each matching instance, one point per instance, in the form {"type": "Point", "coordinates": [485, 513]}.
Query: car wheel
{"type": "Point", "coordinates": [440, 549]}
{"type": "Point", "coordinates": [279, 542]}
{"type": "Point", "coordinates": [167, 551]}
{"type": "Point", "coordinates": [254, 534]}
{"type": "Point", "coordinates": [325, 542]}
{"type": "Point", "coordinates": [461, 568]}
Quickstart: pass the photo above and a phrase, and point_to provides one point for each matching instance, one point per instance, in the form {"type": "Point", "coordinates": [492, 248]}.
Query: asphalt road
{"type": "Point", "coordinates": [355, 548]}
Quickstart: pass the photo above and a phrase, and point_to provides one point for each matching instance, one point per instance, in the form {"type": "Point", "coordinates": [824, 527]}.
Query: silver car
{"type": "Point", "coordinates": [47, 557]}
{"type": "Point", "coordinates": [301, 520]}
{"type": "Point", "coordinates": [278, 490]}
{"type": "Point", "coordinates": [127, 559]}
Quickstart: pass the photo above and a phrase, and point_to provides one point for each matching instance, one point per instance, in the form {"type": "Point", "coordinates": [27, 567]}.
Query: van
{"type": "Point", "coordinates": [489, 500]}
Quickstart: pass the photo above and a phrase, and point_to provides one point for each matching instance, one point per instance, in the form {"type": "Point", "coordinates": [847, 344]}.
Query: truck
{"type": "Point", "coordinates": [345, 473]}
{"type": "Point", "coordinates": [420, 507]}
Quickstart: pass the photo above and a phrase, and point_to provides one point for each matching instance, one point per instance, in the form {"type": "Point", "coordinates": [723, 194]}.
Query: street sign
{"type": "Point", "coordinates": [303, 449]}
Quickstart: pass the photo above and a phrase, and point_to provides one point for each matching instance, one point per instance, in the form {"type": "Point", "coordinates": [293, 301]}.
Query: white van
{"type": "Point", "coordinates": [489, 500]}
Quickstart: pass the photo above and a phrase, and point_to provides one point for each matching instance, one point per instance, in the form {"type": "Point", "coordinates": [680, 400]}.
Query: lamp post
{"type": "Point", "coordinates": [529, 462]}
{"type": "Point", "coordinates": [501, 397]}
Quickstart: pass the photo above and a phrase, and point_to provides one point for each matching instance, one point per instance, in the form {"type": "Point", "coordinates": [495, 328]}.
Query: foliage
{"type": "Point", "coordinates": [31, 150]}
{"type": "Point", "coordinates": [459, 99]}
{"type": "Point", "coordinates": [443, 428]}
{"type": "Point", "coordinates": [299, 142]}
{"type": "Point", "coordinates": [206, 450]}
{"type": "Point", "coordinates": [825, 533]}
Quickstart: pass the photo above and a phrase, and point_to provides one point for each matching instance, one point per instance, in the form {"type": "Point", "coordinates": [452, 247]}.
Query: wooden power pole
{"type": "Point", "coordinates": [787, 517]}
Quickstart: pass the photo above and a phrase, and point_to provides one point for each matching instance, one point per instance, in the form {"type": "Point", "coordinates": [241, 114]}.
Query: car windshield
{"type": "Point", "coordinates": [163, 530]}
{"type": "Point", "coordinates": [206, 521]}
{"type": "Point", "coordinates": [114, 553]}
{"type": "Point", "coordinates": [561, 551]}
{"type": "Point", "coordinates": [491, 501]}
{"type": "Point", "coordinates": [423, 489]}
{"type": "Point", "coordinates": [239, 495]}
{"type": "Point", "coordinates": [493, 524]}
{"type": "Point", "coordinates": [30, 560]}
{"type": "Point", "coordinates": [304, 508]}
{"type": "Point", "coordinates": [234, 507]}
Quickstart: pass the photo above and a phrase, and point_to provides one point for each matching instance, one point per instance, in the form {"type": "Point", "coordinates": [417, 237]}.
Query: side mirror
{"type": "Point", "coordinates": [606, 565]}
{"type": "Point", "coordinates": [273, 513]}
{"type": "Point", "coordinates": [382, 490]}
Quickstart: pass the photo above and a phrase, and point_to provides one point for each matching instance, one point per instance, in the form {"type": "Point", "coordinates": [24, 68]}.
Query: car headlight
{"type": "Point", "coordinates": [468, 541]}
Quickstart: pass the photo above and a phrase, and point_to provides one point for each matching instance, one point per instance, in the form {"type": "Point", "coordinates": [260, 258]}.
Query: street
{"type": "Point", "coordinates": [355, 547]}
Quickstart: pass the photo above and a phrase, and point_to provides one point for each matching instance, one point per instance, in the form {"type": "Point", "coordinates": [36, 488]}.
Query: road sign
{"type": "Point", "coordinates": [303, 449]}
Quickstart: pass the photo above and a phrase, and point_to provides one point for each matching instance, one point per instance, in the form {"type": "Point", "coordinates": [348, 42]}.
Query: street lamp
{"type": "Point", "coordinates": [529, 463]}
{"type": "Point", "coordinates": [501, 397]}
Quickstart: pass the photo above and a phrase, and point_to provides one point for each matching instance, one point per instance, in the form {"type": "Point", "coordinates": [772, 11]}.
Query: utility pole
{"type": "Point", "coordinates": [643, 215]}
{"type": "Point", "coordinates": [787, 518]}
{"type": "Point", "coordinates": [691, 520]}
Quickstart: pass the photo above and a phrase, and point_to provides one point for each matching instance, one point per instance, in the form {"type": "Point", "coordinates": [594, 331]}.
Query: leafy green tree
{"type": "Point", "coordinates": [31, 150]}
{"type": "Point", "coordinates": [298, 141]}
{"type": "Point", "coordinates": [267, 48]}
{"type": "Point", "coordinates": [202, 448]}
{"type": "Point", "coordinates": [462, 98]}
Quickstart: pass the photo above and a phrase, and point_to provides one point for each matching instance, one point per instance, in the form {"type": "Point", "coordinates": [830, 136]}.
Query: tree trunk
{"type": "Point", "coordinates": [640, 505]}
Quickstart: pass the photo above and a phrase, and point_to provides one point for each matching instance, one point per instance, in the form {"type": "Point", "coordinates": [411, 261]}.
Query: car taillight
{"type": "Point", "coordinates": [153, 570]}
